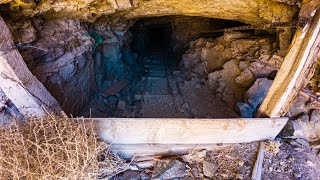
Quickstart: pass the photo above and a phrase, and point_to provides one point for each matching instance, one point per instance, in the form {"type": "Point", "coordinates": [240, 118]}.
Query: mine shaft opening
{"type": "Point", "coordinates": [171, 35]}
{"type": "Point", "coordinates": [153, 67]}
{"type": "Point", "coordinates": [152, 75]}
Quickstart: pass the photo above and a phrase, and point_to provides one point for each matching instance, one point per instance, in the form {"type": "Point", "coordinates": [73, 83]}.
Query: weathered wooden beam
{"type": "Point", "coordinates": [187, 131]}
{"type": "Point", "coordinates": [296, 69]}
{"type": "Point", "coordinates": [18, 83]}
{"type": "Point", "coordinates": [258, 165]}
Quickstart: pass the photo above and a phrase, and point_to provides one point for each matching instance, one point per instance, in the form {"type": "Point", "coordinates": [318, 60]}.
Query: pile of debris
{"type": "Point", "coordinates": [282, 159]}
{"type": "Point", "coordinates": [234, 63]}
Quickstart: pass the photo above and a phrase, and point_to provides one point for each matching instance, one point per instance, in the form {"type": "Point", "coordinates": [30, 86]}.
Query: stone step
{"type": "Point", "coordinates": [156, 73]}
{"type": "Point", "coordinates": [155, 67]}
{"type": "Point", "coordinates": [148, 77]}
{"type": "Point", "coordinates": [155, 63]}
{"type": "Point", "coordinates": [157, 86]}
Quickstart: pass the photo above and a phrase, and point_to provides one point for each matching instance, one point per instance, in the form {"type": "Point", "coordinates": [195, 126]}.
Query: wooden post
{"type": "Point", "coordinates": [17, 82]}
{"type": "Point", "coordinates": [296, 69]}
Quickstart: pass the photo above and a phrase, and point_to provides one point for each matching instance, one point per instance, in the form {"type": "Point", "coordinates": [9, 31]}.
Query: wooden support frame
{"type": "Point", "coordinates": [18, 83]}
{"type": "Point", "coordinates": [296, 69]}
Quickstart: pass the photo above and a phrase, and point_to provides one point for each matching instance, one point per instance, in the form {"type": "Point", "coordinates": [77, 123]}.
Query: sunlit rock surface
{"type": "Point", "coordinates": [255, 11]}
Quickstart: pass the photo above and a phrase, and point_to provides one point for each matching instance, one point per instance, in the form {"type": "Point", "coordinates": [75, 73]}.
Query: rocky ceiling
{"type": "Point", "coordinates": [247, 11]}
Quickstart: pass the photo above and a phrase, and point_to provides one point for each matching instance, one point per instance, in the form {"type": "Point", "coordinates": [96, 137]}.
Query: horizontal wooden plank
{"type": "Point", "coordinates": [187, 131]}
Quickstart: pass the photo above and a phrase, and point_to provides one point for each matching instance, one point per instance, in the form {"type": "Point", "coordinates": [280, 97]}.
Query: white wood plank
{"type": "Point", "coordinates": [187, 131]}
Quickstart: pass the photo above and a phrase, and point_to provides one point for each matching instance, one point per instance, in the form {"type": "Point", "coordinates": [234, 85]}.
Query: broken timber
{"type": "Point", "coordinates": [258, 169]}
{"type": "Point", "coordinates": [117, 87]}
{"type": "Point", "coordinates": [18, 83]}
{"type": "Point", "coordinates": [132, 135]}
{"type": "Point", "coordinates": [296, 69]}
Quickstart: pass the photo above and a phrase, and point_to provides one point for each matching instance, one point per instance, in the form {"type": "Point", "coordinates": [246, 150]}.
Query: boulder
{"type": "Point", "coordinates": [258, 91]}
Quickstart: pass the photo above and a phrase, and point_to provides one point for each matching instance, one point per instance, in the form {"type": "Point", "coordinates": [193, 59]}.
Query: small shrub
{"type": "Point", "coordinates": [50, 148]}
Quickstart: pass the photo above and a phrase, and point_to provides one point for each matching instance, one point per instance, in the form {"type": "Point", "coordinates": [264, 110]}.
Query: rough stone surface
{"type": "Point", "coordinates": [65, 65]}
{"type": "Point", "coordinates": [256, 11]}
{"type": "Point", "coordinates": [169, 169]}
{"type": "Point", "coordinates": [209, 168]}
{"type": "Point", "coordinates": [76, 59]}
{"type": "Point", "coordinates": [233, 62]}
{"type": "Point", "coordinates": [305, 120]}
{"type": "Point", "coordinates": [254, 97]}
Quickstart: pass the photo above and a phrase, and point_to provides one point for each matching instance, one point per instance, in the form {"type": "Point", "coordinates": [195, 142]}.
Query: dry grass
{"type": "Point", "coordinates": [52, 148]}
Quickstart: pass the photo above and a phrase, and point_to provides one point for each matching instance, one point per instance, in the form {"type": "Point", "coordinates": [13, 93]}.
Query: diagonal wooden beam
{"type": "Point", "coordinates": [295, 71]}
{"type": "Point", "coordinates": [18, 83]}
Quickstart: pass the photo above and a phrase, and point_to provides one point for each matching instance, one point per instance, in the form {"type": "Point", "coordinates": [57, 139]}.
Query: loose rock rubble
{"type": "Point", "coordinates": [284, 159]}
{"type": "Point", "coordinates": [233, 63]}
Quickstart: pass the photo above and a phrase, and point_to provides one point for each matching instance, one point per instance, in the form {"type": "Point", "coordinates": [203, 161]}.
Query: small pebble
{"type": "Point", "coordinates": [239, 176]}
{"type": "Point", "coordinates": [241, 163]}
{"type": "Point", "coordinates": [297, 174]}
{"type": "Point", "coordinates": [224, 175]}
{"type": "Point", "coordinates": [310, 163]}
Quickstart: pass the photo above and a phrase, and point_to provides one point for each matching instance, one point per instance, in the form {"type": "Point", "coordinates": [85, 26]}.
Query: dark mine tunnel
{"type": "Point", "coordinates": [153, 74]}
{"type": "Point", "coordinates": [150, 37]}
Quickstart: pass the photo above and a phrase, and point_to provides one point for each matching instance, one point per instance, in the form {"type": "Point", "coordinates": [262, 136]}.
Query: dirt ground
{"type": "Point", "coordinates": [284, 159]}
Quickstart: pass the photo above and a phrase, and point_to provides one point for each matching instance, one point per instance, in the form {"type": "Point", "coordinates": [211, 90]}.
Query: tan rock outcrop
{"type": "Point", "coordinates": [253, 11]}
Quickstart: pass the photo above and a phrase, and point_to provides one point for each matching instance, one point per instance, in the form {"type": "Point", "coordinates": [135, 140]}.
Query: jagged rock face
{"type": "Point", "coordinates": [63, 63]}
{"type": "Point", "coordinates": [255, 11]}
{"type": "Point", "coordinates": [74, 58]}
{"type": "Point", "coordinates": [233, 62]}
{"type": "Point", "coordinates": [306, 123]}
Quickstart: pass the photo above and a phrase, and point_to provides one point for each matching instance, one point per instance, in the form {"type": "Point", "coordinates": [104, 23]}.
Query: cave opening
{"type": "Point", "coordinates": [166, 67]}
{"type": "Point", "coordinates": [148, 76]}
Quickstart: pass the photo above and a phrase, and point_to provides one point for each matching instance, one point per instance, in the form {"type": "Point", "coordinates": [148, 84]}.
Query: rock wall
{"type": "Point", "coordinates": [73, 59]}
{"type": "Point", "coordinates": [61, 58]}
{"type": "Point", "coordinates": [232, 64]}
{"type": "Point", "coordinates": [254, 11]}
{"type": "Point", "coordinates": [185, 28]}
{"type": "Point", "coordinates": [304, 120]}
{"type": "Point", "coordinates": [115, 59]}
